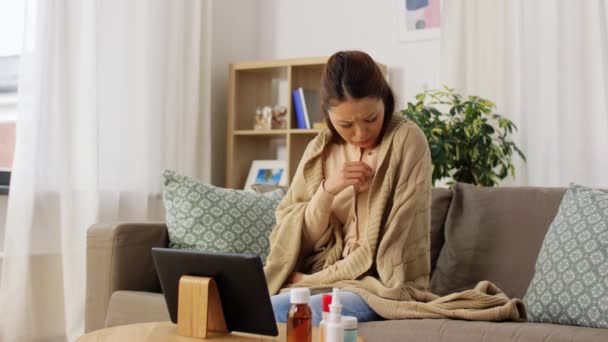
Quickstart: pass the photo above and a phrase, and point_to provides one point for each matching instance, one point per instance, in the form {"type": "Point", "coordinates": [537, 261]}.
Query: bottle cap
{"type": "Point", "coordinates": [299, 295]}
{"type": "Point", "coordinates": [335, 306]}
{"type": "Point", "coordinates": [349, 322]}
{"type": "Point", "coordinates": [326, 301]}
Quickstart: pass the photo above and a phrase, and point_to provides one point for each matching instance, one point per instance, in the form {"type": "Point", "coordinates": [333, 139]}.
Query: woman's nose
{"type": "Point", "coordinates": [360, 132]}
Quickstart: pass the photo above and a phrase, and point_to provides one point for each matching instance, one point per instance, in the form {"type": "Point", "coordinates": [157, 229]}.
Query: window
{"type": "Point", "coordinates": [12, 15]}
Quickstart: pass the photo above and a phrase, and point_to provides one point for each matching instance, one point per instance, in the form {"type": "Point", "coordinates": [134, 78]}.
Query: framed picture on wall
{"type": "Point", "coordinates": [268, 172]}
{"type": "Point", "coordinates": [418, 19]}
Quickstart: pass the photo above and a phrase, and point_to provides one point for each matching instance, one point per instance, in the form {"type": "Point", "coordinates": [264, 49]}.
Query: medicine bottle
{"type": "Point", "coordinates": [324, 315]}
{"type": "Point", "coordinates": [350, 328]}
{"type": "Point", "coordinates": [334, 330]}
{"type": "Point", "coordinates": [299, 318]}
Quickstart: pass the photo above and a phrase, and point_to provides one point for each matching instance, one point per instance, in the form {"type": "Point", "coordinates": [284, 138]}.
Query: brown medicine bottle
{"type": "Point", "coordinates": [299, 318]}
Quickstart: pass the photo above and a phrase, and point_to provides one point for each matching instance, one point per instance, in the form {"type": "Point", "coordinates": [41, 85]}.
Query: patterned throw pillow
{"type": "Point", "coordinates": [204, 217]}
{"type": "Point", "coordinates": [570, 285]}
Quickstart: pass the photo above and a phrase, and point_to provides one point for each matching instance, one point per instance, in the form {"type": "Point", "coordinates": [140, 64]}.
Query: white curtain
{"type": "Point", "coordinates": [545, 64]}
{"type": "Point", "coordinates": [111, 92]}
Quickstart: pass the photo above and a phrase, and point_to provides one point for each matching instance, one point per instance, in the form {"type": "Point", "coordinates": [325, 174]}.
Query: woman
{"type": "Point", "coordinates": [357, 214]}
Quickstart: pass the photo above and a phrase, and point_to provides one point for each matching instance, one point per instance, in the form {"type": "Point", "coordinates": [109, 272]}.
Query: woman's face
{"type": "Point", "coordinates": [358, 121]}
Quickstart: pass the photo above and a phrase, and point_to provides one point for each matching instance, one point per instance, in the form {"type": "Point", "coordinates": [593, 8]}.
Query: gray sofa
{"type": "Point", "coordinates": [477, 234]}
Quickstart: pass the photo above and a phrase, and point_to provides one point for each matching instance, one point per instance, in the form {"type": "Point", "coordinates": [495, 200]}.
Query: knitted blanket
{"type": "Point", "coordinates": [391, 269]}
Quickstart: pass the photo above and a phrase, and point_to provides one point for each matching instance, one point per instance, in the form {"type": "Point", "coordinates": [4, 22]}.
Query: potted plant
{"type": "Point", "coordinates": [469, 142]}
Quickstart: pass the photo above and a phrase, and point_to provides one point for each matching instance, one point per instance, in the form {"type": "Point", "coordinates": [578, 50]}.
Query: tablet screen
{"type": "Point", "coordinates": [240, 280]}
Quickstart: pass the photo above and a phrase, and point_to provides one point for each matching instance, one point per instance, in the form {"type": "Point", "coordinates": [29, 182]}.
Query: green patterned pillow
{"type": "Point", "coordinates": [570, 285]}
{"type": "Point", "coordinates": [204, 217]}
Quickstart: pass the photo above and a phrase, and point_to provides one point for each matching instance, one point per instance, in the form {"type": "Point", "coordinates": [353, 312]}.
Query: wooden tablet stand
{"type": "Point", "coordinates": [199, 309]}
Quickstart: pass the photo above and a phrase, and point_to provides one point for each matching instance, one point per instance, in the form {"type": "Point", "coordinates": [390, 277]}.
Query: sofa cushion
{"type": "Point", "coordinates": [443, 330]}
{"type": "Point", "coordinates": [570, 285]}
{"type": "Point", "coordinates": [493, 234]}
{"type": "Point", "coordinates": [204, 217]}
{"type": "Point", "coordinates": [129, 307]}
{"type": "Point", "coordinates": [440, 203]}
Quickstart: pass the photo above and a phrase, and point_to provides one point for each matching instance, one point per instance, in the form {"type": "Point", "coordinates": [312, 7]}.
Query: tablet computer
{"type": "Point", "coordinates": [240, 280]}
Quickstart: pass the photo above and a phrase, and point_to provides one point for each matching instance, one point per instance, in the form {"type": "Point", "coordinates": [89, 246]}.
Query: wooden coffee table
{"type": "Point", "coordinates": [167, 331]}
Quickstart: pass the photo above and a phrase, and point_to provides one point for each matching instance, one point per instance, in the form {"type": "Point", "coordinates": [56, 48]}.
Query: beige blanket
{"type": "Point", "coordinates": [390, 271]}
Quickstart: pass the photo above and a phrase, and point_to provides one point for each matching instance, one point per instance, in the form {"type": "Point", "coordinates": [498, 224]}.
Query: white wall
{"type": "Point", "coordinates": [290, 29]}
{"type": "Point", "coordinates": [234, 38]}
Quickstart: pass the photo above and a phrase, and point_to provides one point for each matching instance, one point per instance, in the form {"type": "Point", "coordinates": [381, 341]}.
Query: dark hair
{"type": "Point", "coordinates": [354, 75]}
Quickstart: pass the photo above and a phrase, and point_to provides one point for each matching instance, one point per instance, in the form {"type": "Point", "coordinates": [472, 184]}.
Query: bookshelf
{"type": "Point", "coordinates": [256, 84]}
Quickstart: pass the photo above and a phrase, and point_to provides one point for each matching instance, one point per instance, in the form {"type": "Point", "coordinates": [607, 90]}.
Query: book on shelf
{"type": "Point", "coordinates": [307, 106]}
{"type": "Point", "coordinates": [298, 105]}
{"type": "Point", "coordinates": [302, 95]}
{"type": "Point", "coordinates": [312, 105]}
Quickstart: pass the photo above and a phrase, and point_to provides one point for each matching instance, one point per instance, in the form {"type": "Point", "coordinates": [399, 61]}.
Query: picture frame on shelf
{"type": "Point", "coordinates": [269, 172]}
{"type": "Point", "coordinates": [418, 20]}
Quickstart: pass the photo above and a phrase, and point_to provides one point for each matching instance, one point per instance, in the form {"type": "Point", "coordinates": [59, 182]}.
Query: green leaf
{"type": "Point", "coordinates": [469, 141]}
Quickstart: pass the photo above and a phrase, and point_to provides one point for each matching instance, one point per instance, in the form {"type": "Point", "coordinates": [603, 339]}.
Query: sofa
{"type": "Point", "coordinates": [477, 234]}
